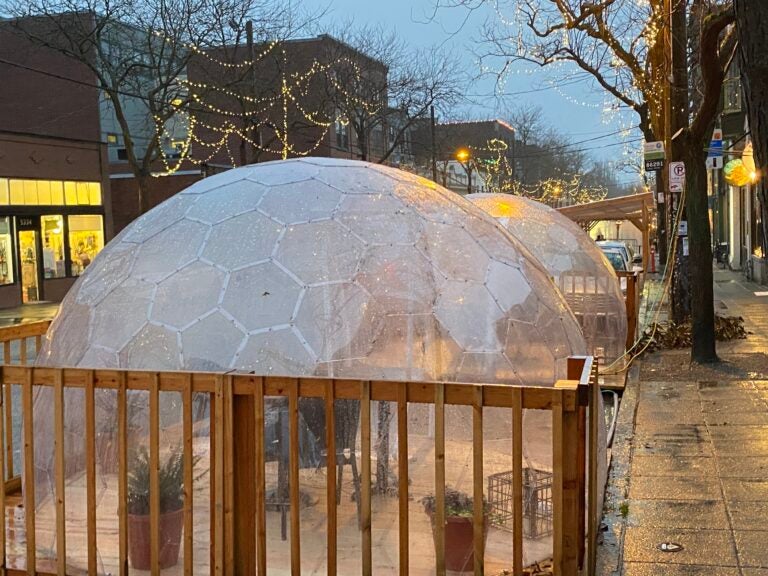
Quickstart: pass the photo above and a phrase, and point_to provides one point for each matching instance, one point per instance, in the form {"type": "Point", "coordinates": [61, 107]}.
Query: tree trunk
{"type": "Point", "coordinates": [700, 254]}
{"type": "Point", "coordinates": [142, 182]}
{"type": "Point", "coordinates": [752, 29]}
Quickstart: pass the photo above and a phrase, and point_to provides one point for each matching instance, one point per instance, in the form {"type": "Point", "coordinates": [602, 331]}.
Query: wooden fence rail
{"type": "Point", "coordinates": [238, 497]}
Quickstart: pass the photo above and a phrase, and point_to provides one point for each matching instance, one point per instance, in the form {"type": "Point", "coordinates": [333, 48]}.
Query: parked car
{"type": "Point", "coordinates": [617, 259]}
{"type": "Point", "coordinates": [623, 247]}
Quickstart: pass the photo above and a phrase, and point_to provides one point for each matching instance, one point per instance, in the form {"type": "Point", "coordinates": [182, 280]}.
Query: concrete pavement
{"type": "Point", "coordinates": [691, 457]}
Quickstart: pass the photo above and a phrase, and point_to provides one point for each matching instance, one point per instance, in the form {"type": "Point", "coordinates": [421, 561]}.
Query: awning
{"type": "Point", "coordinates": [630, 207]}
{"type": "Point", "coordinates": [635, 208]}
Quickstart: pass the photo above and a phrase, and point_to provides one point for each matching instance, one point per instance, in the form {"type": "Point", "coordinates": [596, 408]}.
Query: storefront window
{"type": "Point", "coordinates": [6, 251]}
{"type": "Point", "coordinates": [86, 239]}
{"type": "Point", "coordinates": [53, 246]}
{"type": "Point", "coordinates": [49, 193]}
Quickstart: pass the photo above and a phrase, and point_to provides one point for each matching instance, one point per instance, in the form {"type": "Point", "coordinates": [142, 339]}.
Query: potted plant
{"type": "Point", "coordinates": [171, 482]}
{"type": "Point", "coordinates": [459, 529]}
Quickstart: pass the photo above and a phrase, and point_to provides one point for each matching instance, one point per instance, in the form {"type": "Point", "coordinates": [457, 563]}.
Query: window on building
{"type": "Point", "coordinates": [732, 90]}
{"type": "Point", "coordinates": [53, 246]}
{"type": "Point", "coordinates": [49, 193]}
{"type": "Point", "coordinates": [6, 250]}
{"type": "Point", "coordinates": [86, 239]}
{"type": "Point", "coordinates": [342, 134]}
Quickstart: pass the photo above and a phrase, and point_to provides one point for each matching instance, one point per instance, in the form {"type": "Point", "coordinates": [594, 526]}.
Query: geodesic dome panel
{"type": "Point", "coordinates": [317, 267]}
{"type": "Point", "coordinates": [576, 263]}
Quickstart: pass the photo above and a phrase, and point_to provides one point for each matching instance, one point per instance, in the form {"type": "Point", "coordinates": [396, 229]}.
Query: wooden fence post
{"type": "Point", "coordinates": [566, 485]}
{"type": "Point", "coordinates": [245, 479]}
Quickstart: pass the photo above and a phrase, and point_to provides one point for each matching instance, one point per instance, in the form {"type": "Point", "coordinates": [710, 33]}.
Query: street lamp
{"type": "Point", "coordinates": [464, 157]}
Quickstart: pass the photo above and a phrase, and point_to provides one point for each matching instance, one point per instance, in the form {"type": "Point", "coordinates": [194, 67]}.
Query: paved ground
{"type": "Point", "coordinates": [691, 460]}
{"type": "Point", "coordinates": [28, 313]}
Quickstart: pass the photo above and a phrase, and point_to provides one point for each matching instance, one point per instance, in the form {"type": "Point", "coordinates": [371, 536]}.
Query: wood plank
{"type": "Point", "coordinates": [60, 471]}
{"type": "Point", "coordinates": [566, 484]}
{"type": "Point", "coordinates": [154, 475]}
{"type": "Point", "coordinates": [365, 476]}
{"type": "Point", "coordinates": [29, 469]}
{"type": "Point", "coordinates": [439, 480]}
{"type": "Point", "coordinates": [517, 481]}
{"type": "Point", "coordinates": [557, 488]}
{"type": "Point", "coordinates": [330, 467]}
{"type": "Point", "coordinates": [245, 474]}
{"type": "Point", "coordinates": [122, 474]}
{"type": "Point", "coordinates": [8, 413]}
{"type": "Point", "coordinates": [26, 330]}
{"type": "Point", "coordinates": [90, 472]}
{"type": "Point", "coordinates": [261, 497]}
{"type": "Point", "coordinates": [593, 511]}
{"type": "Point", "coordinates": [229, 479]}
{"type": "Point", "coordinates": [188, 477]}
{"type": "Point", "coordinates": [3, 433]}
{"type": "Point", "coordinates": [38, 344]}
{"type": "Point", "coordinates": [402, 472]}
{"type": "Point", "coordinates": [478, 519]}
{"type": "Point", "coordinates": [293, 458]}
{"type": "Point", "coordinates": [23, 351]}
{"type": "Point", "coordinates": [218, 489]}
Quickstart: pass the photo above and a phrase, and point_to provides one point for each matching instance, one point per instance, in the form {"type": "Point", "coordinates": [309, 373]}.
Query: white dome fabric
{"type": "Point", "coordinates": [317, 267]}
{"type": "Point", "coordinates": [320, 267]}
{"type": "Point", "coordinates": [575, 262]}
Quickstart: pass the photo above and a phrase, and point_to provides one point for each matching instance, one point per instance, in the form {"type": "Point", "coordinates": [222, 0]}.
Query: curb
{"type": "Point", "coordinates": [610, 549]}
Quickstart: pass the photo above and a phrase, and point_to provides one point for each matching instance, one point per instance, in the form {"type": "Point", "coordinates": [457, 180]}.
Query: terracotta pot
{"type": "Point", "coordinates": [171, 526]}
{"type": "Point", "coordinates": [459, 542]}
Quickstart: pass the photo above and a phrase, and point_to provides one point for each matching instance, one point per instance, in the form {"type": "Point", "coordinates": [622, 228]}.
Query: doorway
{"type": "Point", "coordinates": [29, 258]}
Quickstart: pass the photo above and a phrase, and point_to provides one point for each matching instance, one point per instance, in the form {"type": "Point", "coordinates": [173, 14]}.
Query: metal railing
{"type": "Point", "coordinates": [238, 497]}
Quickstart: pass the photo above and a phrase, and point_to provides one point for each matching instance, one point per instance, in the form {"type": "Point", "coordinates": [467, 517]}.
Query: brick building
{"type": "Point", "coordinates": [55, 209]}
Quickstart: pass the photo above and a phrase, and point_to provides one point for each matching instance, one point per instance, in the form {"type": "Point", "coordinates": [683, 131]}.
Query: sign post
{"type": "Point", "coordinates": [676, 176]}
{"type": "Point", "coordinates": [715, 154]}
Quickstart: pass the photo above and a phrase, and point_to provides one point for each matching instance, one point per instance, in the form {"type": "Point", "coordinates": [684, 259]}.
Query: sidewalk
{"type": "Point", "coordinates": [28, 313]}
{"type": "Point", "coordinates": [691, 457]}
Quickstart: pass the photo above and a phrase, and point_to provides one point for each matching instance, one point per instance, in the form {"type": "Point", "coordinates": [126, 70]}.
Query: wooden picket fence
{"type": "Point", "coordinates": [238, 499]}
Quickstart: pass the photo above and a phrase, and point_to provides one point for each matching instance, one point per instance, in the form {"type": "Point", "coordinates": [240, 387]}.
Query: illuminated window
{"type": "Point", "coordinates": [44, 192]}
{"type": "Point", "coordinates": [30, 192]}
{"type": "Point", "coordinates": [17, 191]}
{"type": "Point", "coordinates": [6, 251]}
{"type": "Point", "coordinates": [94, 191]}
{"type": "Point", "coordinates": [70, 193]}
{"type": "Point", "coordinates": [112, 138]}
{"type": "Point", "coordinates": [82, 193]}
{"type": "Point", "coordinates": [53, 246]}
{"type": "Point", "coordinates": [86, 239]}
{"type": "Point", "coordinates": [49, 193]}
{"type": "Point", "coordinates": [57, 193]}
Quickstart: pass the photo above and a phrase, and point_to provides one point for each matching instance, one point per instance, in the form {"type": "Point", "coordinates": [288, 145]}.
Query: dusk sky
{"type": "Point", "coordinates": [460, 30]}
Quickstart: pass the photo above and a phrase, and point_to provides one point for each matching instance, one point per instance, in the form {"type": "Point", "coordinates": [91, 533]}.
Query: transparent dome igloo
{"type": "Point", "coordinates": [317, 267]}
{"type": "Point", "coordinates": [576, 263]}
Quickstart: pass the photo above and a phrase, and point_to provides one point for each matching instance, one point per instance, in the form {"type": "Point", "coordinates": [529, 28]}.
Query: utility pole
{"type": "Point", "coordinates": [679, 118]}
{"type": "Point", "coordinates": [252, 84]}
{"type": "Point", "coordinates": [434, 146]}
{"type": "Point", "coordinates": [245, 157]}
